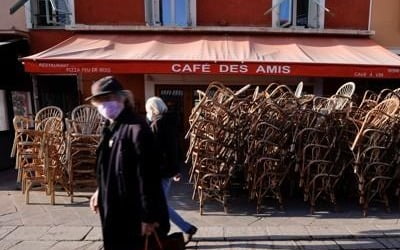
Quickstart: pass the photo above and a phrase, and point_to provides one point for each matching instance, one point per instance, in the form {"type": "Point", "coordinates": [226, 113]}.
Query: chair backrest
{"type": "Point", "coordinates": [384, 94]}
{"type": "Point", "coordinates": [342, 97]}
{"type": "Point", "coordinates": [299, 90]}
{"type": "Point", "coordinates": [21, 122]}
{"type": "Point", "coordinates": [378, 116]}
{"type": "Point", "coordinates": [387, 108]}
{"type": "Point", "coordinates": [85, 113]}
{"type": "Point", "coordinates": [369, 96]}
{"type": "Point", "coordinates": [87, 119]}
{"type": "Point", "coordinates": [45, 113]}
{"type": "Point", "coordinates": [397, 91]}
{"type": "Point", "coordinates": [346, 89]}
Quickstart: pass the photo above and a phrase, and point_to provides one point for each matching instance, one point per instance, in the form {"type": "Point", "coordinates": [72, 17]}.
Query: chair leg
{"type": "Point", "coordinates": [72, 196]}
{"type": "Point", "coordinates": [201, 201]}
{"type": "Point", "coordinates": [52, 191]}
{"type": "Point", "coordinates": [28, 187]}
{"type": "Point", "coordinates": [53, 198]}
{"type": "Point", "coordinates": [23, 183]}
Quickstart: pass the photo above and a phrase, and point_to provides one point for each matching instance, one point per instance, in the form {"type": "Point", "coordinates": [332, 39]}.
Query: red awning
{"type": "Point", "coordinates": [217, 54]}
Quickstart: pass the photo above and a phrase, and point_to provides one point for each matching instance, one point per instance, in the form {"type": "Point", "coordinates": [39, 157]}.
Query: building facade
{"type": "Point", "coordinates": [237, 22]}
{"type": "Point", "coordinates": [385, 22]}
{"type": "Point", "coordinates": [15, 84]}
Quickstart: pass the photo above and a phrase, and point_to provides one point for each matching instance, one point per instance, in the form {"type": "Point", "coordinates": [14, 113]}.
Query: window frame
{"type": "Point", "coordinates": [153, 15]}
{"type": "Point", "coordinates": [31, 8]}
{"type": "Point", "coordinates": [315, 20]}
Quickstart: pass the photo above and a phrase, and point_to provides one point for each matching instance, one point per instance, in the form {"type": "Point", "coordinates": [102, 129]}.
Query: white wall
{"type": "Point", "coordinates": [3, 112]}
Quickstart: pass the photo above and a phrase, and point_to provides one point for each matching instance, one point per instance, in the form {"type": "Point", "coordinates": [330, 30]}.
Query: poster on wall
{"type": "Point", "coordinates": [3, 112]}
{"type": "Point", "coordinates": [22, 104]}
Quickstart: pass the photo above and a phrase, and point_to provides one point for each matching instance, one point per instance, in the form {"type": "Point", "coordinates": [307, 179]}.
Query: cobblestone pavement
{"type": "Point", "coordinates": [73, 226]}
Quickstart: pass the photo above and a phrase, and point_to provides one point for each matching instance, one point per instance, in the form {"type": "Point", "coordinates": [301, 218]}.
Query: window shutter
{"type": "Point", "coordinates": [189, 13]}
{"type": "Point", "coordinates": [316, 13]}
{"type": "Point", "coordinates": [156, 8]}
{"type": "Point", "coordinates": [63, 11]}
{"type": "Point", "coordinates": [148, 12]}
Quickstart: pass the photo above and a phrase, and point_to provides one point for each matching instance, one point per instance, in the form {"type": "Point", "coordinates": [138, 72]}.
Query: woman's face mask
{"type": "Point", "coordinates": [110, 109]}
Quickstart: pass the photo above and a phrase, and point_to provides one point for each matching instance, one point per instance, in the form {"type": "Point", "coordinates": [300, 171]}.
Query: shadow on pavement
{"type": "Point", "coordinates": [250, 243]}
{"type": "Point", "coordinates": [238, 204]}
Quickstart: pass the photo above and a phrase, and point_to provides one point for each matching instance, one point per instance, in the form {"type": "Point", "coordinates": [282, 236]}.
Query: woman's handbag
{"type": "Point", "coordinates": [174, 241]}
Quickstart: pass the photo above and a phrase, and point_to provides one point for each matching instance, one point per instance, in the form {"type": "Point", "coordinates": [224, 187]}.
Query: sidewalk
{"type": "Point", "coordinates": [73, 226]}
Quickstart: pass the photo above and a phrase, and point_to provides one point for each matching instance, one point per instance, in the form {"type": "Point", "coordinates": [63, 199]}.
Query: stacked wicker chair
{"type": "Point", "coordinates": [213, 144]}
{"type": "Point", "coordinates": [22, 143]}
{"type": "Point", "coordinates": [82, 138]}
{"type": "Point", "coordinates": [266, 135]}
{"type": "Point", "coordinates": [320, 157]}
{"type": "Point", "coordinates": [47, 166]}
{"type": "Point", "coordinates": [38, 146]}
{"type": "Point", "coordinates": [376, 153]}
{"type": "Point", "coordinates": [268, 157]}
{"type": "Point", "coordinates": [47, 155]}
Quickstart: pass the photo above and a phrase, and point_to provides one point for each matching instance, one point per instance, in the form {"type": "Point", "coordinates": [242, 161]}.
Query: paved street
{"type": "Point", "coordinates": [72, 226]}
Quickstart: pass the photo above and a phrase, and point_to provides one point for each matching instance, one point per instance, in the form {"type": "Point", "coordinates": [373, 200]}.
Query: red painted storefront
{"type": "Point", "coordinates": [341, 14]}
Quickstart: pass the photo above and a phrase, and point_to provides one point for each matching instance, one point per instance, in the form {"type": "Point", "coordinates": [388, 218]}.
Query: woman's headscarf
{"type": "Point", "coordinates": [155, 108]}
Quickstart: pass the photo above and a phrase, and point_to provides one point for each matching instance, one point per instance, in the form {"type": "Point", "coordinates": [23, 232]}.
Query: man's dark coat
{"type": "Point", "coordinates": [129, 182]}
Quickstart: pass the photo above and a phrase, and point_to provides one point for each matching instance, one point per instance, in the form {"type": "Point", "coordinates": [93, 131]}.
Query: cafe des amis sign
{"type": "Point", "coordinates": [249, 68]}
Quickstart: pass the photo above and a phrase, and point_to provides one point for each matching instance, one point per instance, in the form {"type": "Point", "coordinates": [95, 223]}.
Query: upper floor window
{"type": "Point", "coordinates": [170, 12]}
{"type": "Point", "coordinates": [51, 12]}
{"type": "Point", "coordinates": [298, 13]}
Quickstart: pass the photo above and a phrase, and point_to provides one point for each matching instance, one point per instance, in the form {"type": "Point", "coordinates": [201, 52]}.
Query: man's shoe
{"type": "Point", "coordinates": [189, 234]}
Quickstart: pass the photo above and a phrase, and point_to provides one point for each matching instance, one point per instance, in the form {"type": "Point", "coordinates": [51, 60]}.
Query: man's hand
{"type": "Point", "coordinates": [94, 206]}
{"type": "Point", "coordinates": [177, 177]}
{"type": "Point", "coordinates": [149, 228]}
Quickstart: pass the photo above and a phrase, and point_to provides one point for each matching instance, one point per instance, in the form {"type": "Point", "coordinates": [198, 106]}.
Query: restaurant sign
{"type": "Point", "coordinates": [249, 68]}
{"type": "Point", "coordinates": [229, 68]}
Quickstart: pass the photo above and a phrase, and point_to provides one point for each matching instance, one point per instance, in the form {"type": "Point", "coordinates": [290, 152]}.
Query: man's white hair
{"type": "Point", "coordinates": [156, 106]}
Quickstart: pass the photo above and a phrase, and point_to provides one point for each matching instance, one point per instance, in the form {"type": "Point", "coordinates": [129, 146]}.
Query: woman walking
{"type": "Point", "coordinates": [164, 125]}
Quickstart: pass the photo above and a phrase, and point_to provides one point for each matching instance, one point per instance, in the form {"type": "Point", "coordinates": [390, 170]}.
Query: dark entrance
{"type": "Point", "coordinates": [60, 91]}
{"type": "Point", "coordinates": [180, 99]}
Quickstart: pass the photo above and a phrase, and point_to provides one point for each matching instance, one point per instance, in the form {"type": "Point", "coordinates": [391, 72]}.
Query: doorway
{"type": "Point", "coordinates": [180, 100]}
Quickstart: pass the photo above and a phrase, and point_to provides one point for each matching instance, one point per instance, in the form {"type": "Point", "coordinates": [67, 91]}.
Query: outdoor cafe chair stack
{"type": "Point", "coordinates": [22, 143]}
{"type": "Point", "coordinates": [82, 138]}
{"type": "Point", "coordinates": [269, 137]}
{"type": "Point", "coordinates": [30, 148]}
{"type": "Point", "coordinates": [212, 145]}
{"type": "Point", "coordinates": [267, 167]}
{"type": "Point", "coordinates": [45, 113]}
{"type": "Point", "coordinates": [48, 152]}
{"type": "Point", "coordinates": [318, 142]}
{"type": "Point", "coordinates": [376, 154]}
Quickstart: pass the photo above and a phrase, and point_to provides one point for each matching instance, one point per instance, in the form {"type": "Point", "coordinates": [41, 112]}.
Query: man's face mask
{"type": "Point", "coordinates": [110, 109]}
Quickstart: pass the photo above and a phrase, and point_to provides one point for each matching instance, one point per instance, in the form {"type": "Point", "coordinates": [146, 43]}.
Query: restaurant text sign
{"type": "Point", "coordinates": [230, 68]}
{"type": "Point", "coordinates": [233, 68]}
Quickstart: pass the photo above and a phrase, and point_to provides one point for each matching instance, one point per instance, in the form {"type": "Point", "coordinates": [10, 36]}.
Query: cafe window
{"type": "Point", "coordinates": [51, 13]}
{"type": "Point", "coordinates": [179, 13]}
{"type": "Point", "coordinates": [298, 13]}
